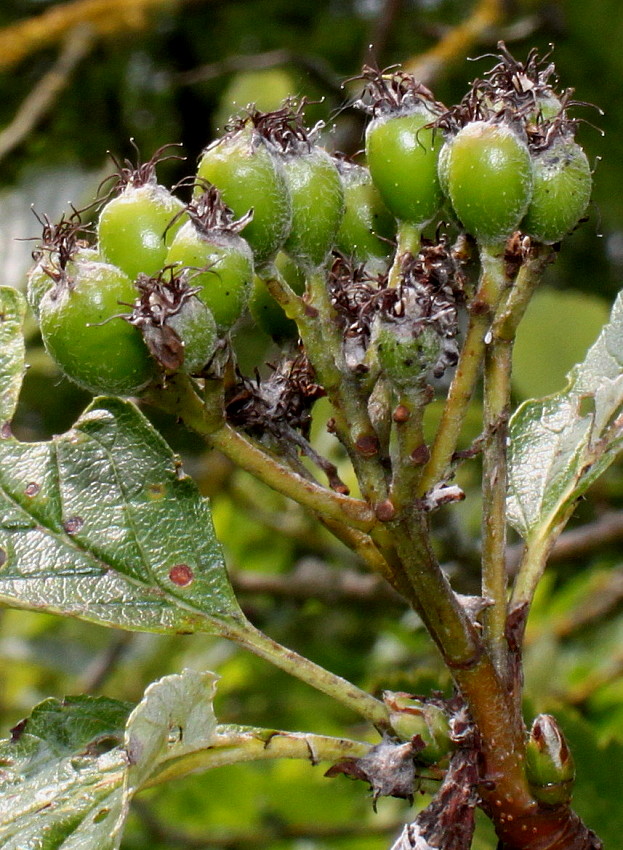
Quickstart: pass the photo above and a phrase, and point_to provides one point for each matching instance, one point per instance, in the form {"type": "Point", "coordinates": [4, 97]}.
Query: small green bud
{"type": "Point", "coordinates": [405, 351]}
{"type": "Point", "coordinates": [549, 763]}
{"type": "Point", "coordinates": [411, 717]}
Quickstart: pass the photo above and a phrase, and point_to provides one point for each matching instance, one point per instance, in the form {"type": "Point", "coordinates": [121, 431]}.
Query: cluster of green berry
{"type": "Point", "coordinates": [166, 282]}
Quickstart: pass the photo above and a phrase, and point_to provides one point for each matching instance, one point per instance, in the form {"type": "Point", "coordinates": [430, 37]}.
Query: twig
{"type": "Point", "coordinates": [313, 579]}
{"type": "Point", "coordinates": [457, 42]}
{"type": "Point", "coordinates": [104, 664]}
{"type": "Point", "coordinates": [41, 99]}
{"type": "Point", "coordinates": [315, 67]}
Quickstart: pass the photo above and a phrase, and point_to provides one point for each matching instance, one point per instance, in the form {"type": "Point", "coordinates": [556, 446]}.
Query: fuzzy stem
{"type": "Point", "coordinates": [246, 635]}
{"type": "Point", "coordinates": [485, 692]}
{"type": "Point", "coordinates": [408, 241]}
{"type": "Point", "coordinates": [497, 375]}
{"type": "Point", "coordinates": [231, 745]}
{"type": "Point", "coordinates": [322, 339]}
{"type": "Point", "coordinates": [412, 451]}
{"type": "Point", "coordinates": [180, 398]}
{"type": "Point", "coordinates": [490, 288]}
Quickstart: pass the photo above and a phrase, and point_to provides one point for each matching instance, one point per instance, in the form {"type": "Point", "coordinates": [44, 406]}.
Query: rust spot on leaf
{"type": "Point", "coordinates": [182, 575]}
{"type": "Point", "coordinates": [73, 524]}
{"type": "Point", "coordinates": [5, 431]}
{"type": "Point", "coordinates": [32, 488]}
{"type": "Point", "coordinates": [155, 491]}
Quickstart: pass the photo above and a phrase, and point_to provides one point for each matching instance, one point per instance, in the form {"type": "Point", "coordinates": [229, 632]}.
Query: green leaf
{"type": "Point", "coordinates": [12, 312]}
{"type": "Point", "coordinates": [101, 523]}
{"type": "Point", "coordinates": [560, 444]}
{"type": "Point", "coordinates": [70, 771]}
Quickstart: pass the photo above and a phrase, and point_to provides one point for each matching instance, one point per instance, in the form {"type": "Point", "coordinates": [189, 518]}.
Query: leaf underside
{"type": "Point", "coordinates": [69, 773]}
{"type": "Point", "coordinates": [561, 444]}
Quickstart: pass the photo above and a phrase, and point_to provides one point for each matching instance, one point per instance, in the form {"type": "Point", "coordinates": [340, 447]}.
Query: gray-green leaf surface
{"type": "Point", "coordinates": [71, 769]}
{"type": "Point", "coordinates": [12, 310]}
{"type": "Point", "coordinates": [101, 523]}
{"type": "Point", "coordinates": [560, 444]}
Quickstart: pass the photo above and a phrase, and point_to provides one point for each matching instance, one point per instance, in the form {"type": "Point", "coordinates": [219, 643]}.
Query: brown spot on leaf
{"type": "Point", "coordinates": [5, 431]}
{"type": "Point", "coordinates": [181, 575]}
{"type": "Point", "coordinates": [3, 557]}
{"type": "Point", "coordinates": [32, 488]}
{"type": "Point", "coordinates": [73, 524]}
{"type": "Point", "coordinates": [156, 491]}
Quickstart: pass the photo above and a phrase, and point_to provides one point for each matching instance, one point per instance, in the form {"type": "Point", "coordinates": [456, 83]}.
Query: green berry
{"type": "Point", "coordinates": [402, 152]}
{"type": "Point", "coordinates": [179, 330]}
{"type": "Point", "coordinates": [136, 228]}
{"type": "Point", "coordinates": [84, 332]}
{"type": "Point", "coordinates": [220, 265]}
{"type": "Point", "coordinates": [562, 190]}
{"type": "Point", "coordinates": [244, 167]}
{"type": "Point", "coordinates": [488, 173]}
{"type": "Point", "coordinates": [366, 218]}
{"type": "Point", "coordinates": [317, 200]}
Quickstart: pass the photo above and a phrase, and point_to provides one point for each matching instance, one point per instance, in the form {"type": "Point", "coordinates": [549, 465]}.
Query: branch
{"type": "Point", "coordinates": [106, 17]}
{"type": "Point", "coordinates": [41, 99]}
{"type": "Point", "coordinates": [457, 43]}
{"type": "Point", "coordinates": [313, 579]}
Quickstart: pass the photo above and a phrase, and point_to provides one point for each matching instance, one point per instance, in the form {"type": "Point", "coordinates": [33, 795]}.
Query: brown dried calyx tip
{"type": "Point", "coordinates": [385, 511]}
{"type": "Point", "coordinates": [367, 445]}
{"type": "Point", "coordinates": [209, 213]}
{"type": "Point", "coordinates": [141, 174]}
{"type": "Point", "coordinates": [393, 90]}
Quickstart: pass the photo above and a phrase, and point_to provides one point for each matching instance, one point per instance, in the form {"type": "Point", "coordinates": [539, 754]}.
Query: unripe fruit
{"type": "Point", "coordinates": [83, 331]}
{"type": "Point", "coordinates": [317, 200]}
{"type": "Point", "coordinates": [46, 272]}
{"type": "Point", "coordinates": [177, 327]}
{"type": "Point", "coordinates": [562, 190]}
{"type": "Point", "coordinates": [244, 167]}
{"type": "Point", "coordinates": [136, 228]}
{"type": "Point", "coordinates": [220, 265]}
{"type": "Point", "coordinates": [267, 313]}
{"type": "Point", "coordinates": [488, 173]}
{"type": "Point", "coordinates": [365, 219]}
{"type": "Point", "coordinates": [402, 156]}
{"type": "Point", "coordinates": [405, 354]}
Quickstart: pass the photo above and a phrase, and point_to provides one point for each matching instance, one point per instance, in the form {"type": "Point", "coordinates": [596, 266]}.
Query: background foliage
{"type": "Point", "coordinates": [165, 71]}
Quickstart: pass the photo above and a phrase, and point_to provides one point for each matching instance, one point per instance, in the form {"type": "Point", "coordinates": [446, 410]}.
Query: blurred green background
{"type": "Point", "coordinates": [174, 72]}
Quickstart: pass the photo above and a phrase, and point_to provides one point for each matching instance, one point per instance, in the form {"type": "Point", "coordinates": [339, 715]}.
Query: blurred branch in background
{"type": "Point", "coordinates": [105, 16]}
{"type": "Point", "coordinates": [43, 96]}
{"type": "Point", "coordinates": [457, 42]}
